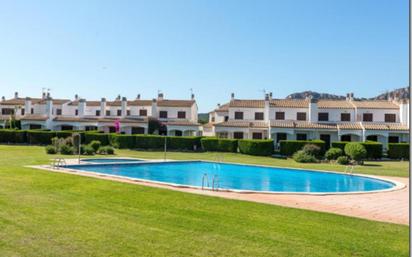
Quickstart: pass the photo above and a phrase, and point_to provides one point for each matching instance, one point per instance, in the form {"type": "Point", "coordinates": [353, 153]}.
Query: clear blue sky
{"type": "Point", "coordinates": [106, 48]}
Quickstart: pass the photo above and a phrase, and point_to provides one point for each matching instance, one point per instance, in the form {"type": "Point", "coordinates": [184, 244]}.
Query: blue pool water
{"type": "Point", "coordinates": [109, 160]}
{"type": "Point", "coordinates": [241, 177]}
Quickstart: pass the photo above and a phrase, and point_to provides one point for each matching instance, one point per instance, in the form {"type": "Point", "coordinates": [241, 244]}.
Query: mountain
{"type": "Point", "coordinates": [402, 93]}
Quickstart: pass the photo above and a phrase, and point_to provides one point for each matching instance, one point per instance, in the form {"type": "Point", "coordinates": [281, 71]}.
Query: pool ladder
{"type": "Point", "coordinates": [215, 182]}
{"type": "Point", "coordinates": [58, 162]}
{"type": "Point", "coordinates": [349, 169]}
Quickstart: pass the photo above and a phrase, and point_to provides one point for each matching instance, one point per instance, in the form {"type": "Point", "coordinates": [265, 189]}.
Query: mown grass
{"type": "Point", "coordinates": [50, 214]}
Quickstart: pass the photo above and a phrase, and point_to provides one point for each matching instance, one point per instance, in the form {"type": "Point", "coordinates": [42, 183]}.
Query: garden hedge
{"type": "Point", "coordinates": [374, 149]}
{"type": "Point", "coordinates": [103, 138]}
{"type": "Point", "coordinates": [213, 144]}
{"type": "Point", "coordinates": [256, 147]}
{"type": "Point", "coordinates": [289, 147]}
{"type": "Point", "coordinates": [184, 143]}
{"type": "Point", "coordinates": [398, 150]}
{"type": "Point", "coordinates": [13, 136]}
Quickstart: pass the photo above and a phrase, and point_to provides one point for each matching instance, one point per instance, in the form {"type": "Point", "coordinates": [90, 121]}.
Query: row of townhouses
{"type": "Point", "coordinates": [385, 121]}
{"type": "Point", "coordinates": [304, 119]}
{"type": "Point", "coordinates": [177, 117]}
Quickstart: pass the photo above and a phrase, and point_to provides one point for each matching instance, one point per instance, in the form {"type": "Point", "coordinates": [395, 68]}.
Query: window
{"type": "Point", "coordinates": [119, 112]}
{"type": "Point", "coordinates": [301, 136]}
{"type": "Point", "coordinates": [181, 115]}
{"type": "Point", "coordinates": [107, 113]}
{"type": "Point", "coordinates": [345, 117]}
{"type": "Point", "coordinates": [238, 115]}
{"type": "Point", "coordinates": [226, 118]}
{"type": "Point", "coordinates": [76, 112]}
{"type": "Point", "coordinates": [259, 116]}
{"type": "Point", "coordinates": [257, 135]}
{"type": "Point", "coordinates": [368, 117]}
{"type": "Point", "coordinates": [66, 127]}
{"type": "Point", "coordinates": [222, 134]}
{"type": "Point", "coordinates": [163, 114]}
{"type": "Point", "coordinates": [212, 119]}
{"type": "Point", "coordinates": [22, 111]}
{"type": "Point", "coordinates": [301, 116]}
{"type": "Point", "coordinates": [7, 111]}
{"type": "Point", "coordinates": [372, 138]}
{"type": "Point", "coordinates": [59, 112]}
{"type": "Point", "coordinates": [390, 117]}
{"type": "Point", "coordinates": [345, 138]}
{"type": "Point", "coordinates": [128, 112]}
{"type": "Point", "coordinates": [32, 111]}
{"type": "Point", "coordinates": [137, 130]}
{"type": "Point", "coordinates": [178, 133]}
{"type": "Point", "coordinates": [34, 126]}
{"type": "Point", "coordinates": [280, 115]}
{"type": "Point", "coordinates": [97, 112]}
{"type": "Point", "coordinates": [393, 139]}
{"type": "Point", "coordinates": [238, 135]}
{"type": "Point", "coordinates": [142, 112]}
{"type": "Point", "coordinates": [323, 116]}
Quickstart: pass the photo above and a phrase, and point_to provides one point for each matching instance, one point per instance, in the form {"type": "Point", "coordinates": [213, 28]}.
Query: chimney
{"type": "Point", "coordinates": [352, 96]}
{"type": "Point", "coordinates": [232, 96]}
{"type": "Point", "coordinates": [218, 105]}
{"type": "Point", "coordinates": [404, 112]}
{"type": "Point", "coordinates": [49, 107]}
{"type": "Point", "coordinates": [3, 98]}
{"type": "Point", "coordinates": [16, 95]}
{"type": "Point", "coordinates": [267, 108]}
{"type": "Point", "coordinates": [27, 106]}
{"type": "Point", "coordinates": [48, 95]}
{"type": "Point", "coordinates": [103, 107]}
{"type": "Point", "coordinates": [76, 97]}
{"type": "Point", "coordinates": [43, 95]}
{"type": "Point", "coordinates": [154, 108]}
{"type": "Point", "coordinates": [81, 107]}
{"type": "Point", "coordinates": [138, 97]}
{"type": "Point", "coordinates": [118, 98]}
{"type": "Point", "coordinates": [124, 107]}
{"type": "Point", "coordinates": [160, 96]}
{"type": "Point", "coordinates": [270, 96]}
{"type": "Point", "coordinates": [193, 96]}
{"type": "Point", "coordinates": [313, 109]}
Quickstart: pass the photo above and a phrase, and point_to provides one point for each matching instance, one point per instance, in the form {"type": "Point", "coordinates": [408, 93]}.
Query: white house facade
{"type": "Point", "coordinates": [385, 121]}
{"type": "Point", "coordinates": [177, 117]}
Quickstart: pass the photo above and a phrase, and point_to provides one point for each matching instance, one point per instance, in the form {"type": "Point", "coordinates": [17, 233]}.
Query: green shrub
{"type": "Point", "coordinates": [312, 149]}
{"type": "Point", "coordinates": [333, 153]}
{"type": "Point", "coordinates": [304, 157]}
{"type": "Point", "coordinates": [373, 149]}
{"type": "Point", "coordinates": [13, 136]}
{"type": "Point", "coordinates": [227, 145]}
{"type": "Point", "coordinates": [123, 141]}
{"type": "Point", "coordinates": [51, 149]}
{"type": "Point", "coordinates": [88, 150]}
{"type": "Point", "coordinates": [289, 147]}
{"type": "Point", "coordinates": [398, 150]}
{"type": "Point", "coordinates": [149, 141]}
{"type": "Point", "coordinates": [210, 144]}
{"type": "Point", "coordinates": [67, 149]}
{"type": "Point", "coordinates": [95, 144]}
{"type": "Point", "coordinates": [184, 143]}
{"type": "Point", "coordinates": [39, 137]}
{"type": "Point", "coordinates": [256, 147]}
{"type": "Point", "coordinates": [340, 145]}
{"type": "Point", "coordinates": [93, 136]}
{"type": "Point", "coordinates": [356, 151]}
{"type": "Point", "coordinates": [343, 160]}
{"type": "Point", "coordinates": [106, 150]}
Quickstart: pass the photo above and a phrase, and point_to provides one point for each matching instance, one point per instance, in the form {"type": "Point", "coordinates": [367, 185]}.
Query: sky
{"type": "Point", "coordinates": [211, 47]}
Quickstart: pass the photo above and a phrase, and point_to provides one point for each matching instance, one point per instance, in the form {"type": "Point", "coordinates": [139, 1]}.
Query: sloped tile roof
{"type": "Point", "coordinates": [384, 126]}
{"type": "Point", "coordinates": [242, 124]}
{"type": "Point", "coordinates": [350, 126]}
{"type": "Point", "coordinates": [289, 103]}
{"type": "Point", "coordinates": [223, 108]}
{"type": "Point", "coordinates": [383, 104]}
{"type": "Point", "coordinates": [335, 104]}
{"type": "Point", "coordinates": [19, 101]}
{"type": "Point", "coordinates": [301, 124]}
{"type": "Point", "coordinates": [181, 123]}
{"type": "Point", "coordinates": [244, 103]}
{"type": "Point", "coordinates": [34, 117]}
{"type": "Point", "coordinates": [175, 103]}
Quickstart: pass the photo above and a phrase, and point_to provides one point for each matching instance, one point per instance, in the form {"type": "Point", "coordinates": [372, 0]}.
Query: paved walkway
{"type": "Point", "coordinates": [390, 206]}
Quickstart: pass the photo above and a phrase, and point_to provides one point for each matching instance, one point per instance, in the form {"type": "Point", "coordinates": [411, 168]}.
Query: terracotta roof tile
{"type": "Point", "coordinates": [335, 104]}
{"type": "Point", "coordinates": [247, 103]}
{"type": "Point", "coordinates": [223, 108]}
{"type": "Point", "coordinates": [385, 126]}
{"type": "Point", "coordinates": [19, 101]}
{"type": "Point", "coordinates": [34, 117]}
{"type": "Point", "coordinates": [96, 119]}
{"type": "Point", "coordinates": [289, 103]}
{"type": "Point", "coordinates": [243, 124]}
{"type": "Point", "coordinates": [181, 123]}
{"type": "Point", "coordinates": [301, 124]}
{"type": "Point", "coordinates": [176, 103]}
{"type": "Point", "coordinates": [350, 126]}
{"type": "Point", "coordinates": [375, 104]}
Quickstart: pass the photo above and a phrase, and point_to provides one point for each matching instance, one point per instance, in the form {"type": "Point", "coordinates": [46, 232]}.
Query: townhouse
{"type": "Point", "coordinates": [174, 117]}
{"type": "Point", "coordinates": [305, 119]}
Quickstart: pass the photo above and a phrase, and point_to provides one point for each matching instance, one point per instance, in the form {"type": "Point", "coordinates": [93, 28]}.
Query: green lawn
{"type": "Point", "coordinates": [385, 168]}
{"type": "Point", "coordinates": [50, 214]}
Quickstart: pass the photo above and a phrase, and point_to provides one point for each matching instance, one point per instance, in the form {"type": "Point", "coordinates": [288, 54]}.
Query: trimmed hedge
{"type": "Point", "coordinates": [103, 138]}
{"type": "Point", "coordinates": [210, 144]}
{"type": "Point", "coordinates": [213, 144]}
{"type": "Point", "coordinates": [289, 147]}
{"type": "Point", "coordinates": [13, 136]}
{"type": "Point", "coordinates": [256, 147]}
{"type": "Point", "coordinates": [374, 149]}
{"type": "Point", "coordinates": [149, 142]}
{"type": "Point", "coordinates": [184, 143]}
{"type": "Point", "coordinates": [398, 150]}
{"type": "Point", "coordinates": [36, 137]}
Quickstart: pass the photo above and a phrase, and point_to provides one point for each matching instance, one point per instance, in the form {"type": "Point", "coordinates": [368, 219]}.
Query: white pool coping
{"type": "Point", "coordinates": [397, 185]}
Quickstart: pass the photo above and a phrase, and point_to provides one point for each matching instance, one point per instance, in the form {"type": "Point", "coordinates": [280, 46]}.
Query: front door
{"type": "Point", "coordinates": [326, 138]}
{"type": "Point", "coordinates": [372, 138]}
{"type": "Point", "coordinates": [280, 136]}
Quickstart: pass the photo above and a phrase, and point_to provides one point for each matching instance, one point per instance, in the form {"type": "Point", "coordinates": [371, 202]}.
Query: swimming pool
{"type": "Point", "coordinates": [110, 160]}
{"type": "Point", "coordinates": [236, 177]}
